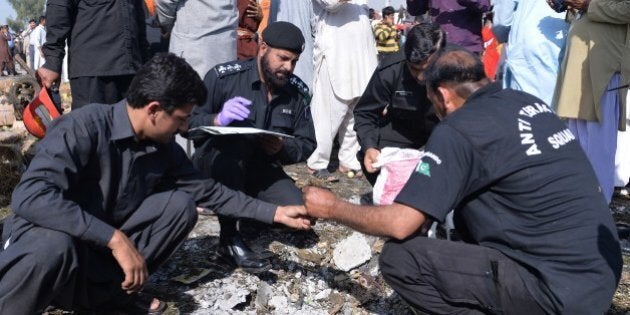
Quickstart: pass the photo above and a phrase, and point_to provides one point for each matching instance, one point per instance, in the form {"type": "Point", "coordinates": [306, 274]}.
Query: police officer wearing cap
{"type": "Point", "coordinates": [394, 110]}
{"type": "Point", "coordinates": [263, 93]}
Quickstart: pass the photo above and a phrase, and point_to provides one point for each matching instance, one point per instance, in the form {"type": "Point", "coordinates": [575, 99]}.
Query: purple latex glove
{"type": "Point", "coordinates": [233, 109]}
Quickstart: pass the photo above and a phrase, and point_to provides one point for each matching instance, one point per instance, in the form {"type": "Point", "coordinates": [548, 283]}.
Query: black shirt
{"type": "Point", "coordinates": [105, 37]}
{"type": "Point", "coordinates": [89, 174]}
{"type": "Point", "coordinates": [288, 112]}
{"type": "Point", "coordinates": [394, 110]}
{"type": "Point", "coordinates": [520, 183]}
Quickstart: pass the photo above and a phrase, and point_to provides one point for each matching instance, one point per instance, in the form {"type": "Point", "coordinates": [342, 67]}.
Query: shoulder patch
{"type": "Point", "coordinates": [229, 68]}
{"type": "Point", "coordinates": [296, 82]}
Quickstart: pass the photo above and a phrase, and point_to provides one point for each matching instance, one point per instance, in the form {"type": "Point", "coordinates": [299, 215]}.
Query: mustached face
{"type": "Point", "coordinates": [277, 65]}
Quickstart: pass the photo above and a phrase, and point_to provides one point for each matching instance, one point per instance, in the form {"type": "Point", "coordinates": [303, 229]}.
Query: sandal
{"type": "Point", "coordinates": [140, 303]}
{"type": "Point", "coordinates": [324, 175]}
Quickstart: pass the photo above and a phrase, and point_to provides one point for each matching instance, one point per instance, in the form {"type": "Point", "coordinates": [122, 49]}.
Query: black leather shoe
{"type": "Point", "coordinates": [234, 251]}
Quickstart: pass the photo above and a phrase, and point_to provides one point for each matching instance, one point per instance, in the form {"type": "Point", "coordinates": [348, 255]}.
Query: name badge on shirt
{"type": "Point", "coordinates": [287, 111]}
{"type": "Point", "coordinates": [403, 93]}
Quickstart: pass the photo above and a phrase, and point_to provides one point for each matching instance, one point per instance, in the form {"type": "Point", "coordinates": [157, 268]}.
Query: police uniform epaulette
{"type": "Point", "coordinates": [230, 68]}
{"type": "Point", "coordinates": [296, 82]}
{"type": "Point", "coordinates": [391, 59]}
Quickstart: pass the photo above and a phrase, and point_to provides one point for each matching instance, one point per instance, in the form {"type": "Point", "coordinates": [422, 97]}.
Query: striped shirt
{"type": "Point", "coordinates": [386, 38]}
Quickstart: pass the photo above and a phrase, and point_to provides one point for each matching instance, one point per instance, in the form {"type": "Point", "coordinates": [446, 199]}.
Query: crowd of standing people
{"type": "Point", "coordinates": [524, 159]}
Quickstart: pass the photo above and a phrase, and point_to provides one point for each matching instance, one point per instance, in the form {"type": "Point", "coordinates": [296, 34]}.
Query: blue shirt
{"type": "Point", "coordinates": [10, 41]}
{"type": "Point", "coordinates": [536, 41]}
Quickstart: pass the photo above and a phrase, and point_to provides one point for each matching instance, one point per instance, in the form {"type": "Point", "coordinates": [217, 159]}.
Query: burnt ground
{"type": "Point", "coordinates": [304, 279]}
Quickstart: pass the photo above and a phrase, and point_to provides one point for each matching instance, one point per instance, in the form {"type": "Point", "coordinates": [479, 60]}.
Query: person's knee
{"type": "Point", "coordinates": [401, 261]}
{"type": "Point", "coordinates": [52, 250]}
{"type": "Point", "coordinates": [390, 258]}
{"type": "Point", "coordinates": [183, 208]}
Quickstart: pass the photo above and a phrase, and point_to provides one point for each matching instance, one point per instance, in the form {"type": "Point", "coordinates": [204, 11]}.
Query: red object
{"type": "Point", "coordinates": [39, 113]}
{"type": "Point", "coordinates": [491, 52]}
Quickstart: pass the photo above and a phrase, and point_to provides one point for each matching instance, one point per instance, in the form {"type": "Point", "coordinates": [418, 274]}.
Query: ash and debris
{"type": "Point", "coordinates": [328, 270]}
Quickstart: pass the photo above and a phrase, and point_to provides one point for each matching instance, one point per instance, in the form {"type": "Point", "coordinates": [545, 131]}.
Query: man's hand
{"type": "Point", "coordinates": [319, 202]}
{"type": "Point", "coordinates": [233, 109]}
{"type": "Point", "coordinates": [293, 216]}
{"type": "Point", "coordinates": [371, 156]}
{"type": "Point", "coordinates": [580, 5]}
{"type": "Point", "coordinates": [130, 261]}
{"type": "Point", "coordinates": [254, 10]}
{"type": "Point", "coordinates": [270, 144]}
{"type": "Point", "coordinates": [47, 77]}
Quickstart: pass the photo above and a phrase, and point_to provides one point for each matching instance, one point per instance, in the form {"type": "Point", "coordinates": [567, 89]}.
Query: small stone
{"type": "Point", "coordinates": [309, 255]}
{"type": "Point", "coordinates": [234, 297]}
{"type": "Point", "coordinates": [263, 294]}
{"type": "Point", "coordinates": [336, 302]}
{"type": "Point", "coordinates": [352, 252]}
{"type": "Point", "coordinates": [204, 304]}
{"type": "Point", "coordinates": [279, 302]}
{"type": "Point", "coordinates": [322, 295]}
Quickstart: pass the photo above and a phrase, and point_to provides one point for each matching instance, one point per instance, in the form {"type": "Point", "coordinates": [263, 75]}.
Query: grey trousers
{"type": "Point", "coordinates": [41, 267]}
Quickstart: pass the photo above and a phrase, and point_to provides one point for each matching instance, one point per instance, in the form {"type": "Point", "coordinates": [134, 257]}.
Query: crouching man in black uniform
{"type": "Point", "coordinates": [108, 198]}
{"type": "Point", "coordinates": [260, 92]}
{"type": "Point", "coordinates": [394, 110]}
{"type": "Point", "coordinates": [541, 237]}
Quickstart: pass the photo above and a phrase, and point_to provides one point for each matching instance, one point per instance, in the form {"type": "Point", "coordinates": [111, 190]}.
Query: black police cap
{"type": "Point", "coordinates": [284, 35]}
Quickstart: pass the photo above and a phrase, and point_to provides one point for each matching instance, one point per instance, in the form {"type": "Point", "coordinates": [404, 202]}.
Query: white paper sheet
{"type": "Point", "coordinates": [215, 130]}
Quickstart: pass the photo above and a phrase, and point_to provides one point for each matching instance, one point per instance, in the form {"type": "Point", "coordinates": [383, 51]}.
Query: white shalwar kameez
{"type": "Point", "coordinates": [344, 57]}
{"type": "Point", "coordinates": [38, 39]}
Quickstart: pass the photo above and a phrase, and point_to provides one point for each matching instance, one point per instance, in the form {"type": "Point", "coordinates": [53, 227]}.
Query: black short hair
{"type": "Point", "coordinates": [423, 39]}
{"type": "Point", "coordinates": [31, 21]}
{"type": "Point", "coordinates": [169, 80]}
{"type": "Point", "coordinates": [42, 18]}
{"type": "Point", "coordinates": [388, 10]}
{"type": "Point", "coordinates": [453, 65]}
{"type": "Point", "coordinates": [371, 14]}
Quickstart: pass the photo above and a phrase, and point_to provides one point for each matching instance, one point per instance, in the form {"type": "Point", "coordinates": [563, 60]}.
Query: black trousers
{"type": "Point", "coordinates": [104, 90]}
{"type": "Point", "coordinates": [443, 277]}
{"type": "Point", "coordinates": [254, 176]}
{"type": "Point", "coordinates": [42, 266]}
